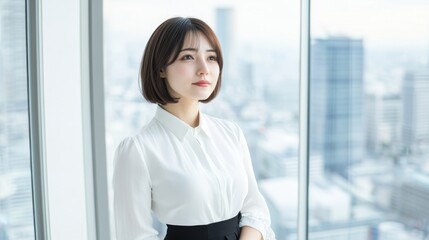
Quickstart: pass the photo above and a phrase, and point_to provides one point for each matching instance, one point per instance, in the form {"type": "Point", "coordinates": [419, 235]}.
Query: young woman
{"type": "Point", "coordinates": [191, 170]}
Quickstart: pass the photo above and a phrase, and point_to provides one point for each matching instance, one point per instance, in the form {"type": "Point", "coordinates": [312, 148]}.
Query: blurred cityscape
{"type": "Point", "coordinates": [16, 208]}
{"type": "Point", "coordinates": [369, 129]}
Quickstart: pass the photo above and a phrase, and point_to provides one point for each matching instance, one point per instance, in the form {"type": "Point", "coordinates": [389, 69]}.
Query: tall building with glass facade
{"type": "Point", "coordinates": [224, 31]}
{"type": "Point", "coordinates": [336, 90]}
{"type": "Point", "coordinates": [416, 111]}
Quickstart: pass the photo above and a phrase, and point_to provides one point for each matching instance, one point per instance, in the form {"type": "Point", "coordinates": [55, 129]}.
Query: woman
{"type": "Point", "coordinates": [192, 170]}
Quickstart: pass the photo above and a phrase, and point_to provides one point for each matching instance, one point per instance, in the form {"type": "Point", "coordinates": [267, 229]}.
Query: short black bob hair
{"type": "Point", "coordinates": [162, 50]}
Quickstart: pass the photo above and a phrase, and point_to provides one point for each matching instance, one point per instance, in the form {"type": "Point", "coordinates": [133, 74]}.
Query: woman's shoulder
{"type": "Point", "coordinates": [127, 143]}
{"type": "Point", "coordinates": [146, 131]}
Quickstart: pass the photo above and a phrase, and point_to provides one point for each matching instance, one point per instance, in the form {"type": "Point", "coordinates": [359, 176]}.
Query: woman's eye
{"type": "Point", "coordinates": [187, 57]}
{"type": "Point", "coordinates": [212, 58]}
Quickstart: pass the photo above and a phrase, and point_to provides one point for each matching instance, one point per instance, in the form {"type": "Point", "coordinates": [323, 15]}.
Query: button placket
{"type": "Point", "coordinates": [203, 154]}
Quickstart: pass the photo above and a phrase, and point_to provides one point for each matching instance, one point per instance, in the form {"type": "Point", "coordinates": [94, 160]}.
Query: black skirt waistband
{"type": "Point", "coordinates": [224, 230]}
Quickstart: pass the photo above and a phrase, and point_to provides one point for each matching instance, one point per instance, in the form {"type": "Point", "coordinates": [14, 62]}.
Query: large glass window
{"type": "Point", "coordinates": [260, 43]}
{"type": "Point", "coordinates": [16, 209]}
{"type": "Point", "coordinates": [369, 123]}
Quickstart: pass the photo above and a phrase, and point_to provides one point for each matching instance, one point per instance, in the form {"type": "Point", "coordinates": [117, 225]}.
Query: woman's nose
{"type": "Point", "coordinates": [203, 68]}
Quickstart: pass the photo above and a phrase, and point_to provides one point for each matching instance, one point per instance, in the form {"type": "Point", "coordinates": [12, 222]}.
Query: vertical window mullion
{"type": "Point", "coordinates": [304, 80]}
{"type": "Point", "coordinates": [38, 172]}
{"type": "Point", "coordinates": [97, 121]}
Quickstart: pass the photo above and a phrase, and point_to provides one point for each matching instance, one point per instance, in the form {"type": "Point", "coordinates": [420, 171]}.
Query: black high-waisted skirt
{"type": "Point", "coordinates": [224, 230]}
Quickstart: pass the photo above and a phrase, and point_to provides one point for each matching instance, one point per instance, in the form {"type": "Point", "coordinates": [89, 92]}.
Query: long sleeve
{"type": "Point", "coordinates": [254, 211]}
{"type": "Point", "coordinates": [132, 194]}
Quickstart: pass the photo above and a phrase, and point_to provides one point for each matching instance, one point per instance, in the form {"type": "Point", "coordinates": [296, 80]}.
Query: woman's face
{"type": "Point", "coordinates": [194, 74]}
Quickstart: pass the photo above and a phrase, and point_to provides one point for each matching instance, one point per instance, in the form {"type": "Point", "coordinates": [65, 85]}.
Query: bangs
{"type": "Point", "coordinates": [192, 40]}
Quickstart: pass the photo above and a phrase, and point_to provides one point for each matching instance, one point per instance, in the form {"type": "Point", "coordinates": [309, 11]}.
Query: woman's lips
{"type": "Point", "coordinates": [202, 83]}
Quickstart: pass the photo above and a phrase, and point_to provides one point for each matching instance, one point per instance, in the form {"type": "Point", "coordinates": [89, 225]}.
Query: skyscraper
{"type": "Point", "coordinates": [383, 123]}
{"type": "Point", "coordinates": [415, 110]}
{"type": "Point", "coordinates": [225, 33]}
{"type": "Point", "coordinates": [336, 94]}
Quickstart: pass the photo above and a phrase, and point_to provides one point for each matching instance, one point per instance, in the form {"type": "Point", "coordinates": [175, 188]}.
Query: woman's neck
{"type": "Point", "coordinates": [187, 112]}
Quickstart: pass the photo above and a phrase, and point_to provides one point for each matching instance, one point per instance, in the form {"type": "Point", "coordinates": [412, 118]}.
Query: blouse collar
{"type": "Point", "coordinates": [178, 127]}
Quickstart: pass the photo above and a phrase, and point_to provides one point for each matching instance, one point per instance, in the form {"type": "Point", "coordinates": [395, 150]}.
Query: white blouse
{"type": "Point", "coordinates": [185, 176]}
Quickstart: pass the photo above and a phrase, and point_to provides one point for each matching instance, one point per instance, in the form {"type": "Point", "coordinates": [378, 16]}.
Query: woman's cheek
{"type": "Point", "coordinates": [185, 70]}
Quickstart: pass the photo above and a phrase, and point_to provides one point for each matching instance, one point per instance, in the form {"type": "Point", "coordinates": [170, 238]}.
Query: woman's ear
{"type": "Point", "coordinates": [162, 73]}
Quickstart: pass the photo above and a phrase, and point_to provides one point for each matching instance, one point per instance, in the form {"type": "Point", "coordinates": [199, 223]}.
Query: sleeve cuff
{"type": "Point", "coordinates": [259, 224]}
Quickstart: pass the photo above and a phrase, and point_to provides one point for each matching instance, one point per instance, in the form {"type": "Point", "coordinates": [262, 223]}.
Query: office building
{"type": "Point", "coordinates": [225, 33]}
{"type": "Point", "coordinates": [383, 113]}
{"type": "Point", "coordinates": [416, 111]}
{"type": "Point", "coordinates": [410, 196]}
{"type": "Point", "coordinates": [336, 95]}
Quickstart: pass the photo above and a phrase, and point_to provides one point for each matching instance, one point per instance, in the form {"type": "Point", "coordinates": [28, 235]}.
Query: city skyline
{"type": "Point", "coordinates": [16, 208]}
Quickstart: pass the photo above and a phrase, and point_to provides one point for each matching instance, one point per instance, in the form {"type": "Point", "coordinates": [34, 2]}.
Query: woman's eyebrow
{"type": "Point", "coordinates": [189, 49]}
{"type": "Point", "coordinates": [196, 50]}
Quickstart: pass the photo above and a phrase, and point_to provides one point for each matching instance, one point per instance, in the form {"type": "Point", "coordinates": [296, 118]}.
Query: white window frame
{"type": "Point", "coordinates": [66, 99]}
{"type": "Point", "coordinates": [304, 119]}
{"type": "Point", "coordinates": [40, 210]}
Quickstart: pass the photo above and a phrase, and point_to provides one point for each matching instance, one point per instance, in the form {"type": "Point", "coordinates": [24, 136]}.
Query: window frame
{"type": "Point", "coordinates": [96, 123]}
{"type": "Point", "coordinates": [40, 205]}
{"type": "Point", "coordinates": [90, 195]}
{"type": "Point", "coordinates": [304, 120]}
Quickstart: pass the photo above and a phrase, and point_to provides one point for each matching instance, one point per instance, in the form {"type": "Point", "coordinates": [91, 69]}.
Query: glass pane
{"type": "Point", "coordinates": [259, 86]}
{"type": "Point", "coordinates": [16, 209]}
{"type": "Point", "coordinates": [369, 127]}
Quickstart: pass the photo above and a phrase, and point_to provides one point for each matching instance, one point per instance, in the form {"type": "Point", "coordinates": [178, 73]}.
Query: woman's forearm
{"type": "Point", "coordinates": [249, 233]}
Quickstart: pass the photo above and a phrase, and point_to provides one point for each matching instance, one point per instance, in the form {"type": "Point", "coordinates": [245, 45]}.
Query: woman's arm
{"type": "Point", "coordinates": [255, 213]}
{"type": "Point", "coordinates": [132, 194]}
{"type": "Point", "coordinates": [249, 233]}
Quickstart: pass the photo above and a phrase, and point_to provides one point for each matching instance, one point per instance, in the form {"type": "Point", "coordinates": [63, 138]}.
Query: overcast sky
{"type": "Point", "coordinates": [381, 23]}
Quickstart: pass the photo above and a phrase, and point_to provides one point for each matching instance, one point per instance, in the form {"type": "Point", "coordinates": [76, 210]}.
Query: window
{"type": "Point", "coordinates": [369, 130]}
{"type": "Point", "coordinates": [369, 139]}
{"type": "Point", "coordinates": [16, 208]}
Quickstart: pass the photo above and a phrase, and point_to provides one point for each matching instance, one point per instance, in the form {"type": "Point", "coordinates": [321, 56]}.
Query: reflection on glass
{"type": "Point", "coordinates": [369, 123]}
{"type": "Point", "coordinates": [16, 210]}
{"type": "Point", "coordinates": [260, 43]}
